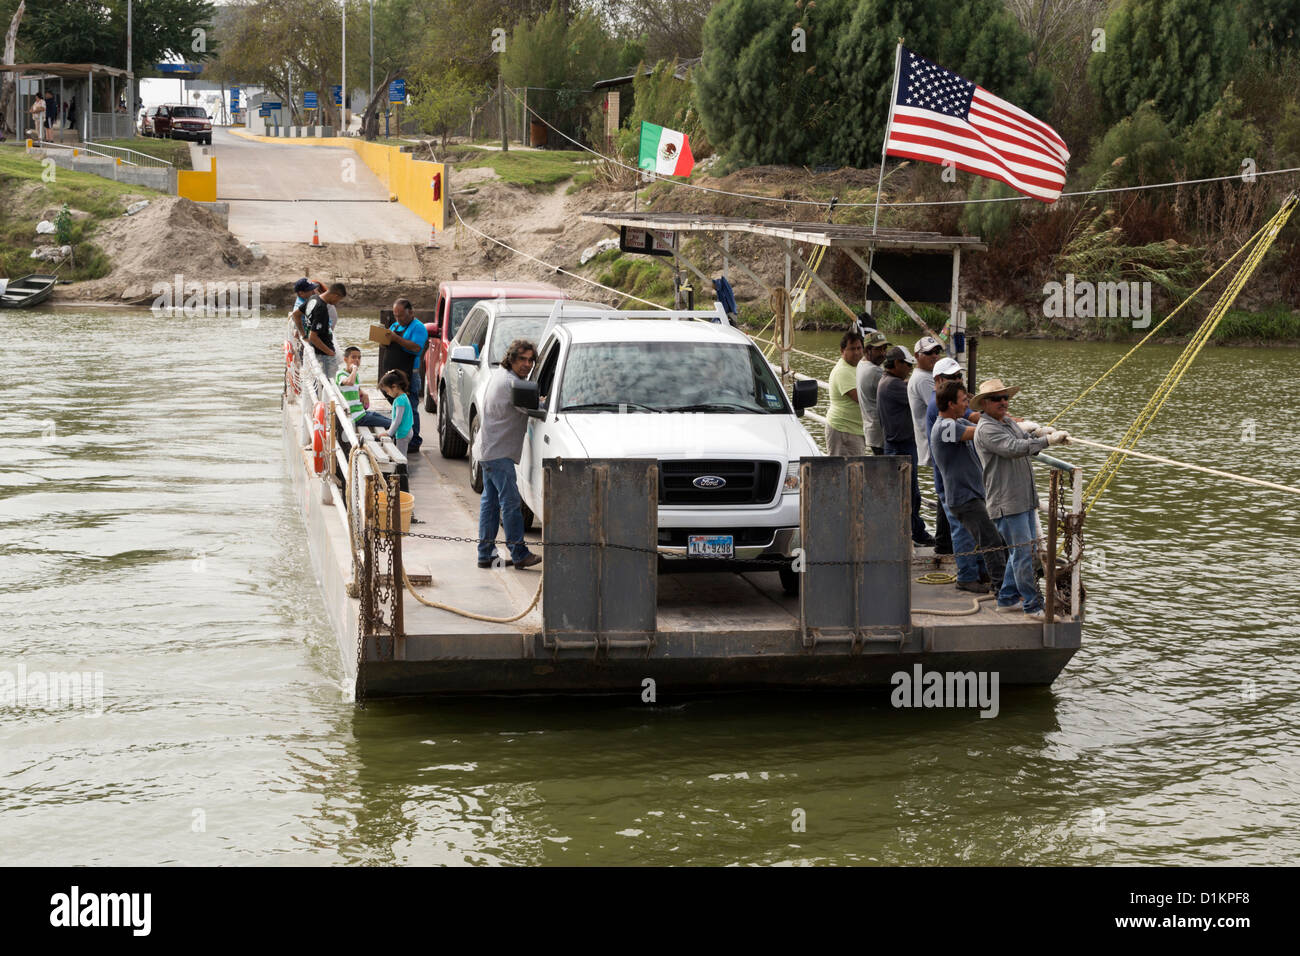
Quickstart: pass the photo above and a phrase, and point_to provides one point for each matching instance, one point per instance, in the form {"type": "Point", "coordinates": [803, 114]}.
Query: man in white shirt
{"type": "Point", "coordinates": [920, 386]}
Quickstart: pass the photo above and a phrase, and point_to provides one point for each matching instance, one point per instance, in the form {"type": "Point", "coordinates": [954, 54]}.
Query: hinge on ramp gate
{"type": "Point", "coordinates": [598, 643]}
{"type": "Point", "coordinates": [857, 640]}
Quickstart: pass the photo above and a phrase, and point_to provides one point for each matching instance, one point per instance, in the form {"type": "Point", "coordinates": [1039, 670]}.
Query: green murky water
{"type": "Point", "coordinates": [149, 538]}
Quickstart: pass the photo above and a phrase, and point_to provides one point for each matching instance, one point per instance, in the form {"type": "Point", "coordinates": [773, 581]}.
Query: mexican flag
{"type": "Point", "coordinates": [665, 151]}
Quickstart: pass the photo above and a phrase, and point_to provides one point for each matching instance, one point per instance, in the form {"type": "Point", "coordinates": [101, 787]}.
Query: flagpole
{"type": "Point", "coordinates": [893, 96]}
{"type": "Point", "coordinates": [880, 182]}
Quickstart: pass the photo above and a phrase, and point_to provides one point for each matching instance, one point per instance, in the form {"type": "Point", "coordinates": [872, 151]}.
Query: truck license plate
{"type": "Point", "coordinates": [710, 546]}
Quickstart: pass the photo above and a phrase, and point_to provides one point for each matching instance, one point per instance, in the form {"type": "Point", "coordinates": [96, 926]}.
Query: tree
{"type": "Point", "coordinates": [978, 39]}
{"type": "Point", "coordinates": [764, 87]}
{"type": "Point", "coordinates": [1177, 54]}
{"type": "Point", "coordinates": [807, 84]}
{"type": "Point", "coordinates": [668, 28]}
{"type": "Point", "coordinates": [441, 106]}
{"type": "Point", "coordinates": [9, 88]}
{"type": "Point", "coordinates": [560, 54]}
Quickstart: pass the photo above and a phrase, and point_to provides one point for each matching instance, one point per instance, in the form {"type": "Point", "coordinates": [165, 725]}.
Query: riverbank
{"type": "Point", "coordinates": [532, 201]}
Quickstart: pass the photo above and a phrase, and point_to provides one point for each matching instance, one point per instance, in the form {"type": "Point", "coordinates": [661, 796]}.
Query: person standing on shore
{"type": "Point", "coordinates": [868, 373]}
{"type": "Point", "coordinates": [844, 436]}
{"type": "Point", "coordinates": [38, 118]}
{"type": "Point", "coordinates": [502, 437]}
{"type": "Point", "coordinates": [1011, 497]}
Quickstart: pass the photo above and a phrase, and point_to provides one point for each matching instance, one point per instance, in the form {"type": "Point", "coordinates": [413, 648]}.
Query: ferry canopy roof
{"type": "Point", "coordinates": [67, 71]}
{"type": "Point", "coordinates": [816, 233]}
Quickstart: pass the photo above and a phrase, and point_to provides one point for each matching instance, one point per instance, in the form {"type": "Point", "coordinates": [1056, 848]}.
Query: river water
{"type": "Point", "coordinates": [150, 542]}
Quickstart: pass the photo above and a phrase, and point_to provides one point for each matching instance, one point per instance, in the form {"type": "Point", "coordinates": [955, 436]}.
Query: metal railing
{"type": "Point", "coordinates": [77, 150]}
{"type": "Point", "coordinates": [131, 157]}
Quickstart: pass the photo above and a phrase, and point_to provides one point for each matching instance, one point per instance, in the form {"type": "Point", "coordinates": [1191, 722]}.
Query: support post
{"type": "Point", "coordinates": [952, 309]}
{"type": "Point", "coordinates": [1049, 559]}
{"type": "Point", "coordinates": [1076, 555]}
{"type": "Point", "coordinates": [726, 255]}
{"type": "Point", "coordinates": [787, 326]}
{"type": "Point", "coordinates": [501, 111]}
{"type": "Point", "coordinates": [399, 578]}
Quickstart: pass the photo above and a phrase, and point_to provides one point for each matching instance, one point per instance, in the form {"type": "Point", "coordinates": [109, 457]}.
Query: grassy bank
{"type": "Point", "coordinates": [29, 196]}
{"type": "Point", "coordinates": [174, 151]}
{"type": "Point", "coordinates": [528, 168]}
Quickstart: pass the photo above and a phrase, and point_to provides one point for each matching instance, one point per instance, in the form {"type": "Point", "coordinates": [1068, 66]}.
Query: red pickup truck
{"type": "Point", "coordinates": [455, 299]}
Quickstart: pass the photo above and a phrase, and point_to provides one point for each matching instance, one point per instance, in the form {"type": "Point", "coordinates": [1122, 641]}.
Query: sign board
{"type": "Point", "coordinates": [918, 277]}
{"type": "Point", "coordinates": [397, 91]}
{"type": "Point", "coordinates": [264, 110]}
{"type": "Point", "coordinates": [338, 94]}
{"type": "Point", "coordinates": [180, 69]}
{"type": "Point", "coordinates": [309, 100]}
{"type": "Point", "coordinates": [647, 242]}
{"type": "Point", "coordinates": [234, 98]}
{"type": "Point", "coordinates": [271, 105]}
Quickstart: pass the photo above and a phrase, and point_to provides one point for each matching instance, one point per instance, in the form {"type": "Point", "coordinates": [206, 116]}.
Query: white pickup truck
{"type": "Point", "coordinates": [697, 395]}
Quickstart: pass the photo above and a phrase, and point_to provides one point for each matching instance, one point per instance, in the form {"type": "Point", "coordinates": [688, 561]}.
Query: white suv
{"type": "Point", "coordinates": [699, 397]}
{"type": "Point", "coordinates": [480, 344]}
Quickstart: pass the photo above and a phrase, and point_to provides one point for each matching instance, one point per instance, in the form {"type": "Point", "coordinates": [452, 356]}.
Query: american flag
{"type": "Point", "coordinates": [941, 117]}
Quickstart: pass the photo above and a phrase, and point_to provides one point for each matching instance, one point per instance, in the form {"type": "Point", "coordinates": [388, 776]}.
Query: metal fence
{"type": "Point", "coordinates": [111, 126]}
{"type": "Point", "coordinates": [130, 157]}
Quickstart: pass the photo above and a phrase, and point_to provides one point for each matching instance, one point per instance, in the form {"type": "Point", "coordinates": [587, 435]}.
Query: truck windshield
{"type": "Point", "coordinates": [459, 309]}
{"type": "Point", "coordinates": [670, 377]}
{"type": "Point", "coordinates": [189, 112]}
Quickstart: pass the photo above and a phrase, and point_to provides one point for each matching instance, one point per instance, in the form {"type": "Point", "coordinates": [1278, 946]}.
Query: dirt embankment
{"type": "Point", "coordinates": [174, 236]}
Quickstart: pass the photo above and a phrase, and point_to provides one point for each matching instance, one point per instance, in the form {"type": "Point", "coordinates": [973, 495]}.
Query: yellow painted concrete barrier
{"type": "Point", "coordinates": [411, 180]}
{"type": "Point", "coordinates": [198, 185]}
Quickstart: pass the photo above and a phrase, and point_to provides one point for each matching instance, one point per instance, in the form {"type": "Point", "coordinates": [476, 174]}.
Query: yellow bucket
{"type": "Point", "coordinates": [406, 502]}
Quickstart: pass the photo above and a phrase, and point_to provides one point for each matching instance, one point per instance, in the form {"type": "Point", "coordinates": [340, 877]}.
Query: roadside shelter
{"type": "Point", "coordinates": [73, 80]}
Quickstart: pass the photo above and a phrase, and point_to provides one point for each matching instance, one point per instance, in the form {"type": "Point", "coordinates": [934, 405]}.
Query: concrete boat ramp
{"type": "Point", "coordinates": [605, 621]}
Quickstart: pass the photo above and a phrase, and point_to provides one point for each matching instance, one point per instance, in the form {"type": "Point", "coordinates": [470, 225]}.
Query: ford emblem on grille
{"type": "Point", "coordinates": [709, 482]}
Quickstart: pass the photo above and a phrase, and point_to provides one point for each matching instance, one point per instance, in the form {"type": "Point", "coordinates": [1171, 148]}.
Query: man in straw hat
{"type": "Point", "coordinates": [1010, 496]}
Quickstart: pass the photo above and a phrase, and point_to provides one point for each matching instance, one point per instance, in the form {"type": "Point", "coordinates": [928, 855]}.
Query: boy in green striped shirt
{"type": "Point", "coordinates": [349, 382]}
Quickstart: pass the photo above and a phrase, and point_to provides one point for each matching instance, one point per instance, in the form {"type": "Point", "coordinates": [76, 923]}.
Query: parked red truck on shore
{"type": "Point", "coordinates": [455, 299]}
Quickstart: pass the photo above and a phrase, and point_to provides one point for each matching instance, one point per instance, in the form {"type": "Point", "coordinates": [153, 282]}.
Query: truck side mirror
{"type": "Point", "coordinates": [464, 353]}
{"type": "Point", "coordinates": [523, 394]}
{"type": "Point", "coordinates": [803, 395]}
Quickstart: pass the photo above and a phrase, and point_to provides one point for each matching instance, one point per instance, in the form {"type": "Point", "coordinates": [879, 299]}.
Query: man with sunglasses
{"type": "Point", "coordinates": [971, 573]}
{"type": "Point", "coordinates": [1010, 496]}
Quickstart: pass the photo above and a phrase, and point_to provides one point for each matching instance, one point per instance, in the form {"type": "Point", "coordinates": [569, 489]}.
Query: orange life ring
{"type": "Point", "coordinates": [291, 372]}
{"type": "Point", "coordinates": [318, 439]}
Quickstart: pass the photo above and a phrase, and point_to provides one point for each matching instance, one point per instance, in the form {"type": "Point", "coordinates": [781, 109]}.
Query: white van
{"type": "Point", "coordinates": [700, 397]}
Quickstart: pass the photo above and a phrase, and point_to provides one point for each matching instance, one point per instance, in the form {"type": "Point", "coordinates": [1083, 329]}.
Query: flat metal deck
{"type": "Point", "coordinates": [713, 631]}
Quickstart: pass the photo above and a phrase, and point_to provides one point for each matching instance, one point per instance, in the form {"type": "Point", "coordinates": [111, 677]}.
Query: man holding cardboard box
{"type": "Point", "coordinates": [409, 333]}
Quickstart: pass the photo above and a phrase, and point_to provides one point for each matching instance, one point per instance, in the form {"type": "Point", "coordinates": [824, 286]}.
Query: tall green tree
{"type": "Point", "coordinates": [978, 39]}
{"type": "Point", "coordinates": [785, 82]}
{"type": "Point", "coordinates": [1177, 54]}
{"type": "Point", "coordinates": [765, 87]}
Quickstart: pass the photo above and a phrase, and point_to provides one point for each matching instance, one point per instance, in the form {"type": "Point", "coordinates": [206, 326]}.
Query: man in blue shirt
{"type": "Point", "coordinates": [410, 333]}
{"type": "Point", "coordinates": [953, 447]}
{"type": "Point", "coordinates": [971, 574]}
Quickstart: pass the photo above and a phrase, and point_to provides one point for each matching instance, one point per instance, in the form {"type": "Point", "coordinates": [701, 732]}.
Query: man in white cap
{"type": "Point", "coordinates": [920, 389]}
{"type": "Point", "coordinates": [868, 374]}
{"type": "Point", "coordinates": [1010, 496]}
{"type": "Point", "coordinates": [896, 422]}
{"type": "Point", "coordinates": [971, 573]}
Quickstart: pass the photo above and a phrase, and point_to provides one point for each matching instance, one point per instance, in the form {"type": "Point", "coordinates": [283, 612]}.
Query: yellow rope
{"type": "Point", "coordinates": [1262, 240]}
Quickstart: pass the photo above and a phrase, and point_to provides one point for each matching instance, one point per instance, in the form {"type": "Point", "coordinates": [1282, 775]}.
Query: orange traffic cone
{"type": "Point", "coordinates": [433, 238]}
{"type": "Point", "coordinates": [315, 234]}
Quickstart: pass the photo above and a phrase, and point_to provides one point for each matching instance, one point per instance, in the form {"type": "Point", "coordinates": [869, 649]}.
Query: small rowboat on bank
{"type": "Point", "coordinates": [26, 292]}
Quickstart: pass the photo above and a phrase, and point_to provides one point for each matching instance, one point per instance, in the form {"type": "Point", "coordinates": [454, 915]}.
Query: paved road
{"type": "Point", "coordinates": [277, 191]}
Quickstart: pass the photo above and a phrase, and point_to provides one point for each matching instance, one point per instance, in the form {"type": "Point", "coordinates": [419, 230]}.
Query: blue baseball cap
{"type": "Point", "coordinates": [304, 285]}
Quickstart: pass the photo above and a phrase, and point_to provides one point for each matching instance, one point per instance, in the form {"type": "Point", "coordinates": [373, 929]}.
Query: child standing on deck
{"type": "Point", "coordinates": [395, 385]}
